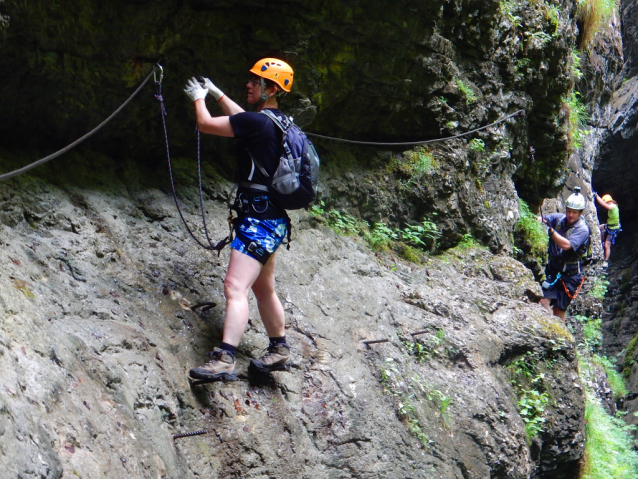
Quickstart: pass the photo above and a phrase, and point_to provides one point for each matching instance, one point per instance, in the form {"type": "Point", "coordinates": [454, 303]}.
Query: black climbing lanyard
{"type": "Point", "coordinates": [211, 246]}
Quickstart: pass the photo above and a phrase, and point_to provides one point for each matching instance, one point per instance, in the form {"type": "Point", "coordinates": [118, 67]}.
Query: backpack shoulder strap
{"type": "Point", "coordinates": [284, 127]}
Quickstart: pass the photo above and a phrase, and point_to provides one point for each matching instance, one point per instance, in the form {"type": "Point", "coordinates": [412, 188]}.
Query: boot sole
{"type": "Point", "coordinates": [226, 377]}
{"type": "Point", "coordinates": [256, 366]}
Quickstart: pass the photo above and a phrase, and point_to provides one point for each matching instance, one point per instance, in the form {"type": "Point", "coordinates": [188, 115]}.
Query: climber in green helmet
{"type": "Point", "coordinates": [610, 230]}
{"type": "Point", "coordinates": [568, 241]}
{"type": "Point", "coordinates": [261, 226]}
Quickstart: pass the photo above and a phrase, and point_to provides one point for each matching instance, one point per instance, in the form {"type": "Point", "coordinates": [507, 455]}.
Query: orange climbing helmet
{"type": "Point", "coordinates": [274, 70]}
{"type": "Point", "coordinates": [607, 198]}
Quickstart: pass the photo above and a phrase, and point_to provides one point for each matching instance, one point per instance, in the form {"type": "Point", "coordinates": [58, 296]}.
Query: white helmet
{"type": "Point", "coordinates": [576, 201]}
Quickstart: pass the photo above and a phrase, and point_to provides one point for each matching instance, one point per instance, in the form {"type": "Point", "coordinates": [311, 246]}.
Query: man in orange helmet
{"type": "Point", "coordinates": [261, 226]}
{"type": "Point", "coordinates": [610, 230]}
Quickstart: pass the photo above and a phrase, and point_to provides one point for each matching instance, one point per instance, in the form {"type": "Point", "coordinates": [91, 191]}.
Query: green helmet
{"type": "Point", "coordinates": [576, 201]}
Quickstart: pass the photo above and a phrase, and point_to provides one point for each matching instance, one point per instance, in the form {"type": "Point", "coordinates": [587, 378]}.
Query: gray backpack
{"type": "Point", "coordinates": [294, 185]}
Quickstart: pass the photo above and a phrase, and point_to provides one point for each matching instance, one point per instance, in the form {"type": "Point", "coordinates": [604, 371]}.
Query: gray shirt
{"type": "Point", "coordinates": [577, 235]}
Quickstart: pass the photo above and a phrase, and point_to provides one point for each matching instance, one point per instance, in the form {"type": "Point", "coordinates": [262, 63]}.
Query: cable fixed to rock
{"type": "Point", "coordinates": [20, 171]}
{"type": "Point", "coordinates": [414, 143]}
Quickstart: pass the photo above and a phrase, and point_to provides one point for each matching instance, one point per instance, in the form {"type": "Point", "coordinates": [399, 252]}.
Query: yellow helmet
{"type": "Point", "coordinates": [607, 198]}
{"type": "Point", "coordinates": [274, 70]}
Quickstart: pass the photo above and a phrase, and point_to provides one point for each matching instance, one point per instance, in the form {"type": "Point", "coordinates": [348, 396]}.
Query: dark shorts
{"type": "Point", "coordinates": [259, 239]}
{"type": "Point", "coordinates": [556, 292]}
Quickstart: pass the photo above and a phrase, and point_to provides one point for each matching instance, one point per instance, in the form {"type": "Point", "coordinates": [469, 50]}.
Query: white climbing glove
{"type": "Point", "coordinates": [216, 92]}
{"type": "Point", "coordinates": [194, 90]}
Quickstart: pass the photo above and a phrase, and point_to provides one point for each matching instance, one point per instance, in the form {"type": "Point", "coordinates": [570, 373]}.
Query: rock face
{"type": "Point", "coordinates": [97, 337]}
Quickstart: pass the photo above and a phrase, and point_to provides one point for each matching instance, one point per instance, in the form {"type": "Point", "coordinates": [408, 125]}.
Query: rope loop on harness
{"type": "Point", "coordinates": [577, 289]}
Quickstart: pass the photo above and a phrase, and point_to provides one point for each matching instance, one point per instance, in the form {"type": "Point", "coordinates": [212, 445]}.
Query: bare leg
{"type": "Point", "coordinates": [270, 308]}
{"type": "Point", "coordinates": [560, 313]}
{"type": "Point", "coordinates": [607, 250]}
{"type": "Point", "coordinates": [546, 305]}
{"type": "Point", "coordinates": [243, 271]}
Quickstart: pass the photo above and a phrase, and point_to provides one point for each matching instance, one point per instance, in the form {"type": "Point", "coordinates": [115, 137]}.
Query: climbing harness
{"type": "Point", "coordinates": [42, 161]}
{"type": "Point", "coordinates": [547, 285]}
{"type": "Point", "coordinates": [424, 142]}
{"type": "Point", "coordinates": [210, 246]}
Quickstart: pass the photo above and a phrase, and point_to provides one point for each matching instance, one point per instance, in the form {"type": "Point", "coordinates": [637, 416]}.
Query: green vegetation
{"type": "Point", "coordinates": [532, 231]}
{"type": "Point", "coordinates": [577, 118]}
{"type": "Point", "coordinates": [414, 165]}
{"type": "Point", "coordinates": [522, 64]}
{"type": "Point", "coordinates": [468, 93]}
{"type": "Point", "coordinates": [477, 145]}
{"type": "Point", "coordinates": [539, 37]}
{"type": "Point", "coordinates": [318, 209]}
{"type": "Point", "coordinates": [615, 379]}
{"type": "Point", "coordinates": [380, 236]}
{"type": "Point", "coordinates": [343, 223]}
{"type": "Point", "coordinates": [609, 450]}
{"type": "Point", "coordinates": [425, 347]}
{"type": "Point", "coordinates": [552, 14]}
{"type": "Point", "coordinates": [532, 410]}
{"type": "Point", "coordinates": [595, 15]}
{"type": "Point", "coordinates": [592, 331]}
{"type": "Point", "coordinates": [599, 288]}
{"type": "Point", "coordinates": [421, 236]}
{"type": "Point", "coordinates": [507, 10]}
{"type": "Point", "coordinates": [420, 161]}
{"type": "Point", "coordinates": [468, 241]}
{"type": "Point", "coordinates": [630, 353]}
{"type": "Point", "coordinates": [609, 447]}
{"type": "Point", "coordinates": [533, 398]}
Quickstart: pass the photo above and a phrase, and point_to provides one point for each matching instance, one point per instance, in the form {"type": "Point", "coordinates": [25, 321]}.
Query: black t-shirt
{"type": "Point", "coordinates": [260, 137]}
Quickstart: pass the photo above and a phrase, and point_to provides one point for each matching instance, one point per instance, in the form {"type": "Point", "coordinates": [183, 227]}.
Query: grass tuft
{"type": "Point", "coordinates": [609, 450]}
{"type": "Point", "coordinates": [532, 230]}
{"type": "Point", "coordinates": [594, 14]}
{"type": "Point", "coordinates": [578, 117]}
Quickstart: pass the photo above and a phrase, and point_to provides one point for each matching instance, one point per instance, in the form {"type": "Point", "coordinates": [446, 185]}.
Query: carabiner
{"type": "Point", "coordinates": [161, 75]}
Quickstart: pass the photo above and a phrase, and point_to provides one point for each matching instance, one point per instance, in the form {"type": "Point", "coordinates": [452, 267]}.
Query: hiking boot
{"type": "Point", "coordinates": [275, 359]}
{"type": "Point", "coordinates": [221, 367]}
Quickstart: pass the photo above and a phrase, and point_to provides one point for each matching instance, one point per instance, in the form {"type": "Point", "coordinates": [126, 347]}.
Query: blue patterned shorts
{"type": "Point", "coordinates": [266, 234]}
{"type": "Point", "coordinates": [611, 233]}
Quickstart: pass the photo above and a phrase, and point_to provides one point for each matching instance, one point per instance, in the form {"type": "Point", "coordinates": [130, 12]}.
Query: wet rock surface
{"type": "Point", "coordinates": [97, 336]}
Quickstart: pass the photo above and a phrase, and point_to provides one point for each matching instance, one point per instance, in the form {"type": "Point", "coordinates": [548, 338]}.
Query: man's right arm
{"type": "Point", "coordinates": [213, 125]}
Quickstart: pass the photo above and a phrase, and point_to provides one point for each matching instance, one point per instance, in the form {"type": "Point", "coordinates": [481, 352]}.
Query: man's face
{"type": "Point", "coordinates": [253, 88]}
{"type": "Point", "coordinates": [572, 216]}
